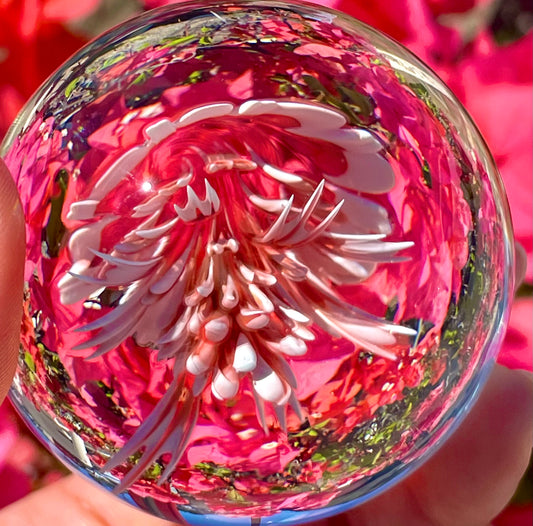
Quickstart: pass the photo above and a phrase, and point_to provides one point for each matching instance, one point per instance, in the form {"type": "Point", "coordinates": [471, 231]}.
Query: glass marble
{"type": "Point", "coordinates": [269, 260]}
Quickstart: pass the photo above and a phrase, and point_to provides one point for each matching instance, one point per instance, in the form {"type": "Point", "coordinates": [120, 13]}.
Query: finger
{"type": "Point", "coordinates": [74, 501]}
{"type": "Point", "coordinates": [480, 468]}
{"type": "Point", "coordinates": [11, 277]}
{"type": "Point", "coordinates": [472, 477]}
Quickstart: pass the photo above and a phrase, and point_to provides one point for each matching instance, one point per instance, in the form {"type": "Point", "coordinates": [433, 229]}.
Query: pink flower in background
{"type": "Point", "coordinates": [34, 41]}
{"type": "Point", "coordinates": [516, 349]}
{"type": "Point", "coordinates": [494, 83]}
{"type": "Point", "coordinates": [408, 21]}
{"type": "Point", "coordinates": [14, 481]}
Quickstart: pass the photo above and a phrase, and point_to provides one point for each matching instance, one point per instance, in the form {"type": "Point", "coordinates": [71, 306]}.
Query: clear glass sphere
{"type": "Point", "coordinates": [268, 261]}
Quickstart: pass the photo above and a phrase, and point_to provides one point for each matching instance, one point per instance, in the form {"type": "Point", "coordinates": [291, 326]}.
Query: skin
{"type": "Point", "coordinates": [466, 482]}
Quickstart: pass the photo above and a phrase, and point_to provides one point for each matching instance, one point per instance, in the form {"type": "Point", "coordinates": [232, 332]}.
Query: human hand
{"type": "Point", "coordinates": [466, 483]}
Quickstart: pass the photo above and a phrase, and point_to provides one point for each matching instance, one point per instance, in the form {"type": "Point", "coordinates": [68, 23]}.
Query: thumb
{"type": "Point", "coordinates": [11, 276]}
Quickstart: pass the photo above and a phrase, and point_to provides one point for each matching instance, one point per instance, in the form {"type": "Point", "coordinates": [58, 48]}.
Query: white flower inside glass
{"type": "Point", "coordinates": [268, 262]}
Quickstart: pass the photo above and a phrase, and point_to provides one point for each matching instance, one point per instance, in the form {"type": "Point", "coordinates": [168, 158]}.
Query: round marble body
{"type": "Point", "coordinates": [268, 261]}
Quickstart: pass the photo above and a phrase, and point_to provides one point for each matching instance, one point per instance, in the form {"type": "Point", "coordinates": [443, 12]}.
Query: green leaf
{"type": "Point", "coordinates": [234, 495]}
{"type": "Point", "coordinates": [392, 309]}
{"type": "Point", "coordinates": [277, 489]}
{"type": "Point", "coordinates": [143, 76]}
{"type": "Point", "coordinates": [323, 95]}
{"type": "Point", "coordinates": [210, 468]}
{"type": "Point", "coordinates": [154, 471]}
{"type": "Point", "coordinates": [112, 60]}
{"type": "Point", "coordinates": [426, 175]}
{"type": "Point", "coordinates": [72, 86]}
{"type": "Point", "coordinates": [362, 103]}
{"type": "Point", "coordinates": [195, 77]}
{"type": "Point", "coordinates": [29, 361]}
{"type": "Point", "coordinates": [54, 230]}
{"type": "Point", "coordinates": [177, 41]}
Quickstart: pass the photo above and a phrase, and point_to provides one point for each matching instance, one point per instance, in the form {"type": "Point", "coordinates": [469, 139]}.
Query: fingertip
{"type": "Point", "coordinates": [12, 243]}
{"type": "Point", "coordinates": [477, 470]}
{"type": "Point", "coordinates": [73, 501]}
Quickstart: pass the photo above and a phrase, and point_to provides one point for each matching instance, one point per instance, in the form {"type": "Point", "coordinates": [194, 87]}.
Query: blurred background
{"type": "Point", "coordinates": [483, 49]}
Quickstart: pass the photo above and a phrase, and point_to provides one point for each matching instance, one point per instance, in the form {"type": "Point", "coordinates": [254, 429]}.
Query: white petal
{"type": "Point", "coordinates": [114, 260]}
{"type": "Point", "coordinates": [205, 112]}
{"type": "Point", "coordinates": [212, 197]}
{"type": "Point", "coordinates": [280, 175]}
{"type": "Point", "coordinates": [346, 270]}
{"type": "Point", "coordinates": [122, 275]}
{"type": "Point", "coordinates": [195, 322]}
{"type": "Point", "coordinates": [294, 314]}
{"type": "Point", "coordinates": [222, 387]}
{"type": "Point", "coordinates": [368, 173]}
{"type": "Point", "coordinates": [118, 171]}
{"type": "Point", "coordinates": [351, 139]}
{"type": "Point", "coordinates": [262, 300]}
{"type": "Point", "coordinates": [304, 333]}
{"type": "Point", "coordinates": [377, 247]}
{"type": "Point", "coordinates": [72, 289]}
{"type": "Point", "coordinates": [292, 346]}
{"type": "Point", "coordinates": [259, 107]}
{"type": "Point", "coordinates": [264, 278]}
{"type": "Point", "coordinates": [206, 288]}
{"type": "Point", "coordinates": [267, 383]}
{"type": "Point", "coordinates": [230, 297]}
{"type": "Point", "coordinates": [195, 365]}
{"type": "Point", "coordinates": [314, 116]}
{"type": "Point", "coordinates": [170, 277]}
{"type": "Point", "coordinates": [259, 321]}
{"type": "Point", "coordinates": [358, 338]}
{"type": "Point", "coordinates": [359, 215]}
{"type": "Point", "coordinates": [270, 205]}
{"type": "Point", "coordinates": [247, 273]}
{"type": "Point", "coordinates": [82, 210]}
{"type": "Point", "coordinates": [217, 329]}
{"type": "Point", "coordinates": [310, 115]}
{"type": "Point", "coordinates": [276, 229]}
{"type": "Point", "coordinates": [245, 358]}
{"type": "Point", "coordinates": [160, 130]}
{"type": "Point", "coordinates": [149, 207]}
{"type": "Point", "coordinates": [86, 238]}
{"type": "Point", "coordinates": [154, 233]}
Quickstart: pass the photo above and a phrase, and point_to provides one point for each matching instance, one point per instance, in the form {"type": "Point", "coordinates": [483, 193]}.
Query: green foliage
{"type": "Point", "coordinates": [426, 175]}
{"type": "Point", "coordinates": [28, 360]}
{"type": "Point", "coordinates": [52, 235]}
{"type": "Point", "coordinates": [113, 59]}
{"type": "Point", "coordinates": [210, 469]}
{"type": "Point", "coordinates": [72, 86]}
{"type": "Point", "coordinates": [356, 106]}
{"type": "Point", "coordinates": [178, 41]}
